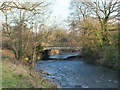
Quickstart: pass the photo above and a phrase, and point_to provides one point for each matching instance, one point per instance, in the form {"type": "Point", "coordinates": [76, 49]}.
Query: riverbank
{"type": "Point", "coordinates": [97, 62]}
{"type": "Point", "coordinates": [105, 54]}
{"type": "Point", "coordinates": [17, 75]}
{"type": "Point", "coordinates": [20, 76]}
{"type": "Point", "coordinates": [102, 62]}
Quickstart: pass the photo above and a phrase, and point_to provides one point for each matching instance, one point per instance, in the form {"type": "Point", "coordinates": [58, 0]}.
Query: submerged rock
{"type": "Point", "coordinates": [115, 81]}
{"type": "Point", "coordinates": [47, 73]}
{"type": "Point", "coordinates": [78, 86]}
{"type": "Point", "coordinates": [97, 81]}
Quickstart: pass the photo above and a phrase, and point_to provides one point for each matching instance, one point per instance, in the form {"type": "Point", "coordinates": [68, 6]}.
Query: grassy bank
{"type": "Point", "coordinates": [18, 75]}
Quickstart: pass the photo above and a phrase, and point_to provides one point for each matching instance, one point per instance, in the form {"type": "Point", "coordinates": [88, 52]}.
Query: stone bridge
{"type": "Point", "coordinates": [55, 50]}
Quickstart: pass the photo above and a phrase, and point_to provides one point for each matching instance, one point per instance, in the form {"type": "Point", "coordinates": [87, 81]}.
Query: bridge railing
{"type": "Point", "coordinates": [62, 48]}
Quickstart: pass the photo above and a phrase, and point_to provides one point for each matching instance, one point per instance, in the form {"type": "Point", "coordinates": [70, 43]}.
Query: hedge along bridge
{"type": "Point", "coordinates": [55, 50]}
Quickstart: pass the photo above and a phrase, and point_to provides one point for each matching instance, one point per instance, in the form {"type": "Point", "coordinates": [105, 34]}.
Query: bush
{"type": "Point", "coordinates": [108, 56]}
{"type": "Point", "coordinates": [110, 53]}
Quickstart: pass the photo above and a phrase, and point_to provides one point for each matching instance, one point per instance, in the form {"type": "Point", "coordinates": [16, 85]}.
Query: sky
{"type": "Point", "coordinates": [59, 9]}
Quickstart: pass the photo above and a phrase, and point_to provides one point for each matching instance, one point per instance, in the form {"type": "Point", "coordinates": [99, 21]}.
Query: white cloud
{"type": "Point", "coordinates": [60, 9]}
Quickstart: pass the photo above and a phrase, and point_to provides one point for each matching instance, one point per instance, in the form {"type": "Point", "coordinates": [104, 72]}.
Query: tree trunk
{"type": "Point", "coordinates": [20, 41]}
{"type": "Point", "coordinates": [104, 32]}
{"type": "Point", "coordinates": [34, 54]}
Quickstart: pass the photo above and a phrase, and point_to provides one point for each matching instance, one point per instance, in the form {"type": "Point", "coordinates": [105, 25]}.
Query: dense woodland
{"type": "Point", "coordinates": [93, 26]}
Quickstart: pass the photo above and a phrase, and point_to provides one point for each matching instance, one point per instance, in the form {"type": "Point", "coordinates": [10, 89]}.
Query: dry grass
{"type": "Point", "coordinates": [15, 74]}
{"type": "Point", "coordinates": [20, 76]}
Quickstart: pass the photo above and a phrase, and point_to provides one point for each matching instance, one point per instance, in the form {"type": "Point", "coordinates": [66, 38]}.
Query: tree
{"type": "Point", "coordinates": [80, 21]}
{"type": "Point", "coordinates": [104, 9]}
{"type": "Point", "coordinates": [17, 30]}
{"type": "Point", "coordinates": [85, 17]}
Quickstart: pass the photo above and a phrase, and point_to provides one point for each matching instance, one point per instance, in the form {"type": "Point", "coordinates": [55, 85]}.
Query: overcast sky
{"type": "Point", "coordinates": [60, 9]}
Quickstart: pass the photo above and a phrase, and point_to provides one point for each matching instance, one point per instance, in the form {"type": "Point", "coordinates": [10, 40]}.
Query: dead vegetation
{"type": "Point", "coordinates": [16, 75]}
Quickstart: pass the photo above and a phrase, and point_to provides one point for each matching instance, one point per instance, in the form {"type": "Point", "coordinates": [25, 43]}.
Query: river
{"type": "Point", "coordinates": [77, 73]}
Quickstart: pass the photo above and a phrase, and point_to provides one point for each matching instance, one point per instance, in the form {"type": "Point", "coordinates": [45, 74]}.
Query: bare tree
{"type": "Point", "coordinates": [104, 10]}
{"type": "Point", "coordinates": [80, 21]}
{"type": "Point", "coordinates": [25, 13]}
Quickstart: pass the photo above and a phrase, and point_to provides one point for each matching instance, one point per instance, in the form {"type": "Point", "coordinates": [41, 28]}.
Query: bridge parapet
{"type": "Point", "coordinates": [62, 48]}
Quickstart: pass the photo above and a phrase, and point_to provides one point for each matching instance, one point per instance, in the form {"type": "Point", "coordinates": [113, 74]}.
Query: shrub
{"type": "Point", "coordinates": [107, 56]}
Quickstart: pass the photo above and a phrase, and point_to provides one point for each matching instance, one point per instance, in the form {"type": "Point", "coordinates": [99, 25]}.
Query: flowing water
{"type": "Point", "coordinates": [77, 73]}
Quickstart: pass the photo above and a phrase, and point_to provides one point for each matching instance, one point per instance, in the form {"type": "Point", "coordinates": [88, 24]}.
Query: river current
{"type": "Point", "coordinates": [77, 73]}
